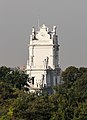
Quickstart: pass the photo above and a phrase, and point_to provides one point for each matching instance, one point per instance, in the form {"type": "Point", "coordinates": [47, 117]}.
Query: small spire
{"type": "Point", "coordinates": [38, 23]}
{"type": "Point", "coordinates": [43, 26]}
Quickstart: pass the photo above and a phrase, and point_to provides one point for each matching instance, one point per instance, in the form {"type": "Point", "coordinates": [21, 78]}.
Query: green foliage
{"type": "Point", "coordinates": [13, 77]}
{"type": "Point", "coordinates": [68, 103]}
{"type": "Point", "coordinates": [11, 81]}
{"type": "Point", "coordinates": [70, 74]}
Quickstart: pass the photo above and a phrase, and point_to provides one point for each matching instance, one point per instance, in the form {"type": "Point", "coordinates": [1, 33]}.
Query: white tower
{"type": "Point", "coordinates": [43, 62]}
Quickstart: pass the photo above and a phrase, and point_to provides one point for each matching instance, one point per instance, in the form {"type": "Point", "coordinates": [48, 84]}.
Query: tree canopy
{"type": "Point", "coordinates": [68, 103]}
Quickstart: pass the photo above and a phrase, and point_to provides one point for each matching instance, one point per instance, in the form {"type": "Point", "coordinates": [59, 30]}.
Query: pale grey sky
{"type": "Point", "coordinates": [18, 16]}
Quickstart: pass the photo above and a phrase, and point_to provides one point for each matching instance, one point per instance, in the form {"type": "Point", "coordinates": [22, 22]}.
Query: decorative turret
{"type": "Point", "coordinates": [54, 30]}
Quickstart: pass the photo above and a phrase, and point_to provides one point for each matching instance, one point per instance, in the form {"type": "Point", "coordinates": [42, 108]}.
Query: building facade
{"type": "Point", "coordinates": [43, 60]}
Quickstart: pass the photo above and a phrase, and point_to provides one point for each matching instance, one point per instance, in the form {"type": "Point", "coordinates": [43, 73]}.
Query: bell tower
{"type": "Point", "coordinates": [43, 62]}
